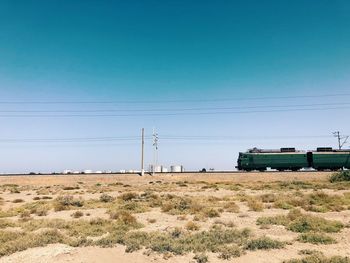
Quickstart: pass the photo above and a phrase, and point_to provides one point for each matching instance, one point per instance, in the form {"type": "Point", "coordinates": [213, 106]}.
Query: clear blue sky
{"type": "Point", "coordinates": [155, 52]}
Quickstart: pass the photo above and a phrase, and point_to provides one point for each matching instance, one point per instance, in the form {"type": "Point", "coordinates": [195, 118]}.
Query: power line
{"type": "Point", "coordinates": [174, 109]}
{"type": "Point", "coordinates": [166, 114]}
{"type": "Point", "coordinates": [68, 140]}
{"type": "Point", "coordinates": [152, 138]}
{"type": "Point", "coordinates": [176, 101]}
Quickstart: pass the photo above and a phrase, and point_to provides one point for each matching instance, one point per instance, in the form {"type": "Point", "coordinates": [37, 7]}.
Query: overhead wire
{"type": "Point", "coordinates": [167, 114]}
{"type": "Point", "coordinates": [177, 100]}
{"type": "Point", "coordinates": [174, 109]}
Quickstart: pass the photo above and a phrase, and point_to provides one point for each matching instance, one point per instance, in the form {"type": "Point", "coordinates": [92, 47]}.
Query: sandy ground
{"type": "Point", "coordinates": [245, 218]}
{"type": "Point", "coordinates": [133, 179]}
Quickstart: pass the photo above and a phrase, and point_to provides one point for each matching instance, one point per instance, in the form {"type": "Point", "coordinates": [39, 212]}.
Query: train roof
{"type": "Point", "coordinates": [281, 150]}
{"type": "Point", "coordinates": [293, 150]}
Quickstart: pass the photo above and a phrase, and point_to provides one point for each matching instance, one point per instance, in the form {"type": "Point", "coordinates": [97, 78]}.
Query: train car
{"type": "Point", "coordinates": [324, 158]}
{"type": "Point", "coordinates": [328, 159]}
{"type": "Point", "coordinates": [281, 159]}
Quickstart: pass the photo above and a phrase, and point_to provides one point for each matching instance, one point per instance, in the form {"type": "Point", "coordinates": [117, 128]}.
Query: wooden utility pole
{"type": "Point", "coordinates": [142, 152]}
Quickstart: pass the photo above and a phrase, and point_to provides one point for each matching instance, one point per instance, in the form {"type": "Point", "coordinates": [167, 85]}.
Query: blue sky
{"type": "Point", "coordinates": [158, 52]}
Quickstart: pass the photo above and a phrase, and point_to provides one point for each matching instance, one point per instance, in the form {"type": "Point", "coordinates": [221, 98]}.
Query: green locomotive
{"type": "Point", "coordinates": [324, 158]}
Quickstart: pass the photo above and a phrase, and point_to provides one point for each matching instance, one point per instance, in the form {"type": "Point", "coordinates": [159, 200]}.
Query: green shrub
{"type": "Point", "coordinates": [307, 223]}
{"type": "Point", "coordinates": [106, 198]}
{"type": "Point", "coordinates": [276, 220]}
{"type": "Point", "coordinates": [18, 200]}
{"type": "Point", "coordinates": [340, 176]}
{"type": "Point", "coordinates": [316, 238]}
{"type": "Point", "coordinates": [227, 252]}
{"type": "Point", "coordinates": [264, 243]}
{"type": "Point", "coordinates": [77, 214]}
{"type": "Point", "coordinates": [69, 188]}
{"type": "Point", "coordinates": [231, 207]}
{"type": "Point", "coordinates": [124, 216]}
{"type": "Point", "coordinates": [66, 202]}
{"type": "Point", "coordinates": [255, 205]}
{"type": "Point", "coordinates": [201, 258]}
{"type": "Point", "coordinates": [268, 198]}
{"type": "Point", "coordinates": [6, 223]}
{"type": "Point", "coordinates": [41, 211]}
{"type": "Point", "coordinates": [298, 222]}
{"type": "Point", "coordinates": [319, 258]}
{"type": "Point", "coordinates": [211, 212]}
{"type": "Point", "coordinates": [128, 196]}
{"type": "Point", "coordinates": [191, 226]}
{"type": "Point", "coordinates": [23, 241]}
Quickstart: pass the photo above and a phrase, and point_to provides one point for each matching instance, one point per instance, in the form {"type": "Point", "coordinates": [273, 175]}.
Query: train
{"type": "Point", "coordinates": [290, 159]}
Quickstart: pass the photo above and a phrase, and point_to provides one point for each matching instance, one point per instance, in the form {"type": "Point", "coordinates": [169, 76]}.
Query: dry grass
{"type": "Point", "coordinates": [191, 226]}
{"type": "Point", "coordinates": [67, 202]}
{"type": "Point", "coordinates": [255, 205]}
{"type": "Point", "coordinates": [316, 238]}
{"type": "Point", "coordinates": [319, 258]}
{"type": "Point", "coordinates": [298, 222]}
{"type": "Point", "coordinates": [18, 200]}
{"type": "Point", "coordinates": [211, 209]}
{"type": "Point", "coordinates": [77, 214]}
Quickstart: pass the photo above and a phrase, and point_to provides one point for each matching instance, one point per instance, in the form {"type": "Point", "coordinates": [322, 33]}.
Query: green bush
{"type": "Point", "coordinates": [227, 252]}
{"type": "Point", "coordinates": [319, 258]}
{"type": "Point", "coordinates": [302, 223]}
{"type": "Point", "coordinates": [340, 176]}
{"type": "Point", "coordinates": [316, 238]}
{"type": "Point", "coordinates": [307, 223]}
{"type": "Point", "coordinates": [264, 243]}
{"type": "Point", "coordinates": [106, 198]}
{"type": "Point", "coordinates": [201, 258]}
{"type": "Point", "coordinates": [66, 202]}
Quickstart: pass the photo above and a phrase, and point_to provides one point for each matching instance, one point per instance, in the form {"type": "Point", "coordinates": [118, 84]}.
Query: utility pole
{"type": "Point", "coordinates": [142, 152]}
{"type": "Point", "coordinates": [155, 153]}
{"type": "Point", "coordinates": [341, 139]}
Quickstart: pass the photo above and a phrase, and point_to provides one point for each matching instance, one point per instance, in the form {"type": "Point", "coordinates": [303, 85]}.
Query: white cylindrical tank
{"type": "Point", "coordinates": [157, 168]}
{"type": "Point", "coordinates": [165, 170]}
{"type": "Point", "coordinates": [176, 168]}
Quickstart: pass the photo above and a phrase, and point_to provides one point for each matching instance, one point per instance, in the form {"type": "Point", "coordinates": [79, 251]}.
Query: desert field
{"type": "Point", "coordinates": [286, 217]}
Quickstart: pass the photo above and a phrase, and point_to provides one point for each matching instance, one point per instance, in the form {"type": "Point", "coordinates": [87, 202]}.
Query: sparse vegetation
{"type": "Point", "coordinates": [199, 217]}
{"type": "Point", "coordinates": [319, 258]}
{"type": "Point", "coordinates": [231, 207]}
{"type": "Point", "coordinates": [298, 222]}
{"type": "Point", "coordinates": [201, 258]}
{"type": "Point", "coordinates": [69, 188]}
{"type": "Point", "coordinates": [192, 226]}
{"type": "Point", "coordinates": [128, 196]}
{"type": "Point", "coordinates": [340, 176]}
{"type": "Point", "coordinates": [264, 243]}
{"type": "Point", "coordinates": [18, 200]}
{"type": "Point", "coordinates": [77, 214]}
{"type": "Point", "coordinates": [67, 202]}
{"type": "Point", "coordinates": [255, 205]}
{"type": "Point", "coordinates": [228, 252]}
{"type": "Point", "coordinates": [106, 198]}
{"type": "Point", "coordinates": [123, 216]}
{"type": "Point", "coordinates": [316, 238]}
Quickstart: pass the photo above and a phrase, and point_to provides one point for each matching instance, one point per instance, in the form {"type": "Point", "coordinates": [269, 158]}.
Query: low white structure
{"type": "Point", "coordinates": [157, 168]}
{"type": "Point", "coordinates": [176, 169]}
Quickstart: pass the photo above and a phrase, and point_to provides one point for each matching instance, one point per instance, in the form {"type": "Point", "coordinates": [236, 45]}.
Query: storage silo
{"type": "Point", "coordinates": [176, 169]}
{"type": "Point", "coordinates": [157, 168]}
